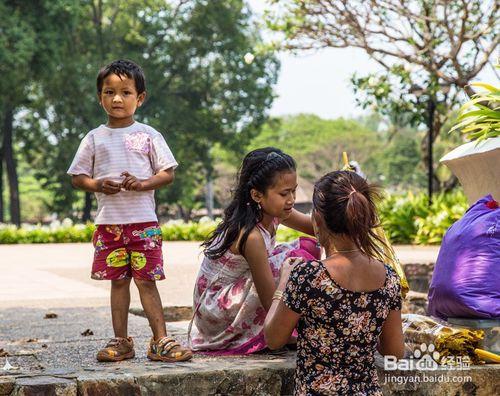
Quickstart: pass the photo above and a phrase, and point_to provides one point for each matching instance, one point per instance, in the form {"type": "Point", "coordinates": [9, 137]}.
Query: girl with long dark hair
{"type": "Point", "coordinates": [241, 264]}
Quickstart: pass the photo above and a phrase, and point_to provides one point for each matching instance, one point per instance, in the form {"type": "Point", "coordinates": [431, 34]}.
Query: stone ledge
{"type": "Point", "coordinates": [254, 375]}
{"type": "Point", "coordinates": [418, 274]}
{"type": "Point", "coordinates": [171, 313]}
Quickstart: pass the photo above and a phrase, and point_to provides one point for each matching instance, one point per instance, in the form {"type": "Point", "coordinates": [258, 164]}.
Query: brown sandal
{"type": "Point", "coordinates": [166, 349]}
{"type": "Point", "coordinates": [117, 349]}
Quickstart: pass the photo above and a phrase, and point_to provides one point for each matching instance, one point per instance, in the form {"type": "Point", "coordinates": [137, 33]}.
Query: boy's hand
{"type": "Point", "coordinates": [131, 183]}
{"type": "Point", "coordinates": [108, 187]}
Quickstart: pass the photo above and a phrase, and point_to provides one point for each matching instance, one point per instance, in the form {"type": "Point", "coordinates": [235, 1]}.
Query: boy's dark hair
{"type": "Point", "coordinates": [123, 67]}
{"type": "Point", "coordinates": [346, 202]}
{"type": "Point", "coordinates": [258, 171]}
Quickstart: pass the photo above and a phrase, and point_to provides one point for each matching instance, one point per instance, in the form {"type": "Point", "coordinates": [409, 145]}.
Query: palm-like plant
{"type": "Point", "coordinates": [479, 118]}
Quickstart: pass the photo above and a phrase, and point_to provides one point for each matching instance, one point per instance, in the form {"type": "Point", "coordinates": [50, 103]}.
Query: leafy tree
{"type": "Point", "coordinates": [432, 47]}
{"type": "Point", "coordinates": [398, 164]}
{"type": "Point", "coordinates": [317, 144]}
{"type": "Point", "coordinates": [206, 95]}
{"type": "Point", "coordinates": [200, 90]}
{"type": "Point", "coordinates": [68, 104]}
{"type": "Point", "coordinates": [391, 159]}
{"type": "Point", "coordinates": [27, 45]}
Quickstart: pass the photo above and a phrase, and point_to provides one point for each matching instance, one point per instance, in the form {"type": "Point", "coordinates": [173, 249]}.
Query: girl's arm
{"type": "Point", "coordinates": [300, 222]}
{"type": "Point", "coordinates": [280, 320]}
{"type": "Point", "coordinates": [391, 340]}
{"type": "Point", "coordinates": [255, 253]}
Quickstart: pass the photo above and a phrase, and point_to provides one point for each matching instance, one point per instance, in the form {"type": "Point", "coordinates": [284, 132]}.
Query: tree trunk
{"type": "Point", "coordinates": [184, 213]}
{"type": "Point", "coordinates": [87, 207]}
{"type": "Point", "coordinates": [1, 186]}
{"type": "Point", "coordinates": [433, 130]}
{"type": "Point", "coordinates": [209, 197]}
{"type": "Point", "coordinates": [209, 191]}
{"type": "Point", "coordinates": [10, 163]}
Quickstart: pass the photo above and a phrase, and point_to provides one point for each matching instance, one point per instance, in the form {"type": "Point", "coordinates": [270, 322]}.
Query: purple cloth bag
{"type": "Point", "coordinates": [466, 278]}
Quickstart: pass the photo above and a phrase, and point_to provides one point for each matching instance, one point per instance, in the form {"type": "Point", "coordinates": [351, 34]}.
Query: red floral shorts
{"type": "Point", "coordinates": [128, 250]}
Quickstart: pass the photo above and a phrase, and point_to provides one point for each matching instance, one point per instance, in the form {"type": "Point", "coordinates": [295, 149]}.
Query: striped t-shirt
{"type": "Point", "coordinates": [105, 153]}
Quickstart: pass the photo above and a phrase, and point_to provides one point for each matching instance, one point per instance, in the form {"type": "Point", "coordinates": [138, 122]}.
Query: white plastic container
{"type": "Point", "coordinates": [477, 167]}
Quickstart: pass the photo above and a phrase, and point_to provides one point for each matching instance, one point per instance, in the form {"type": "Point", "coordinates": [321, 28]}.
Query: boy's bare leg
{"type": "Point", "coordinates": [120, 302]}
{"type": "Point", "coordinates": [151, 302]}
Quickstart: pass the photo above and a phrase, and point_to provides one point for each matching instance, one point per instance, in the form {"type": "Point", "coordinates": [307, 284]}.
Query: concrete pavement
{"type": "Point", "coordinates": [55, 357]}
{"type": "Point", "coordinates": [58, 275]}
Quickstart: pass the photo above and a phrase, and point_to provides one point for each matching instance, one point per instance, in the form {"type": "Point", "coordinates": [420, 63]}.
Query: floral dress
{"type": "Point", "coordinates": [228, 316]}
{"type": "Point", "coordinates": [338, 331]}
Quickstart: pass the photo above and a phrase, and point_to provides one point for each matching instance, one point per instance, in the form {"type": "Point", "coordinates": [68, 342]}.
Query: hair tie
{"type": "Point", "coordinates": [272, 154]}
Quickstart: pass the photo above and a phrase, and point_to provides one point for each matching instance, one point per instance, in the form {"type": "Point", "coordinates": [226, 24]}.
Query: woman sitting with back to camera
{"type": "Point", "coordinates": [347, 305]}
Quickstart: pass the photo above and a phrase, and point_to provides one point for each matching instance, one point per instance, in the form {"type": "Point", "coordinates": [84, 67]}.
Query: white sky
{"type": "Point", "coordinates": [318, 82]}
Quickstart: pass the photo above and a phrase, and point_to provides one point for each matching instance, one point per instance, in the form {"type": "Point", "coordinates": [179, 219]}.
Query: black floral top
{"type": "Point", "coordinates": [338, 331]}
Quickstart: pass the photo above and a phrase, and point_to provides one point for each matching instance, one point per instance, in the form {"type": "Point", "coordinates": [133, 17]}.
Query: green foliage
{"type": "Point", "coordinates": [397, 164]}
{"type": "Point", "coordinates": [317, 144]}
{"type": "Point", "coordinates": [478, 121]}
{"type": "Point", "coordinates": [409, 219]}
{"type": "Point", "coordinates": [175, 230]}
{"type": "Point", "coordinates": [178, 230]}
{"type": "Point", "coordinates": [420, 77]}
{"type": "Point", "coordinates": [46, 234]}
{"type": "Point", "coordinates": [28, 47]}
{"type": "Point", "coordinates": [406, 220]}
{"type": "Point", "coordinates": [200, 91]}
{"type": "Point", "coordinates": [444, 211]}
{"type": "Point", "coordinates": [388, 94]}
{"type": "Point", "coordinates": [205, 95]}
{"type": "Point", "coordinates": [398, 213]}
{"type": "Point", "coordinates": [285, 234]}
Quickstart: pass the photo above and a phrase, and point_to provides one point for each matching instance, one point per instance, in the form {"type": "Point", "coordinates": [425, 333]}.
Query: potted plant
{"type": "Point", "coordinates": [477, 164]}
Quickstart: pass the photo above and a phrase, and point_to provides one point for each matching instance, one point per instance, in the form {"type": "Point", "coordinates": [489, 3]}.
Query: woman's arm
{"type": "Point", "coordinates": [300, 222]}
{"type": "Point", "coordinates": [280, 320]}
{"type": "Point", "coordinates": [255, 253]}
{"type": "Point", "coordinates": [391, 340]}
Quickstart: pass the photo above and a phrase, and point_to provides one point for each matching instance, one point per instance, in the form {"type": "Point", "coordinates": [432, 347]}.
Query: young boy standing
{"type": "Point", "coordinates": [123, 162]}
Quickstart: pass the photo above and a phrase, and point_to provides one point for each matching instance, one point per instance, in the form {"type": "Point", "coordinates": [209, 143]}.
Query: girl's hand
{"type": "Point", "coordinates": [108, 187]}
{"type": "Point", "coordinates": [286, 269]}
{"type": "Point", "coordinates": [131, 183]}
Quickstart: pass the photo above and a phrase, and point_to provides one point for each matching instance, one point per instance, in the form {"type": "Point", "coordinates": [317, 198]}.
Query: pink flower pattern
{"type": "Point", "coordinates": [238, 286]}
{"type": "Point", "coordinates": [230, 318]}
{"type": "Point", "coordinates": [260, 316]}
{"type": "Point", "coordinates": [201, 284]}
{"type": "Point", "coordinates": [139, 141]}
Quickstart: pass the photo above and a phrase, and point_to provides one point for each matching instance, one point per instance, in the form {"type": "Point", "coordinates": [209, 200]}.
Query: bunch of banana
{"type": "Point", "coordinates": [448, 341]}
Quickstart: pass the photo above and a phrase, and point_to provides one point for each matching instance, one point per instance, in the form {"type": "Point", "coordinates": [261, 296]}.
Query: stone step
{"type": "Point", "coordinates": [54, 357]}
{"type": "Point", "coordinates": [255, 375]}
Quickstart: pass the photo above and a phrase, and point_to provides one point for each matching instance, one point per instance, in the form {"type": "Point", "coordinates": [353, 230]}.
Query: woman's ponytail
{"type": "Point", "coordinates": [347, 203]}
